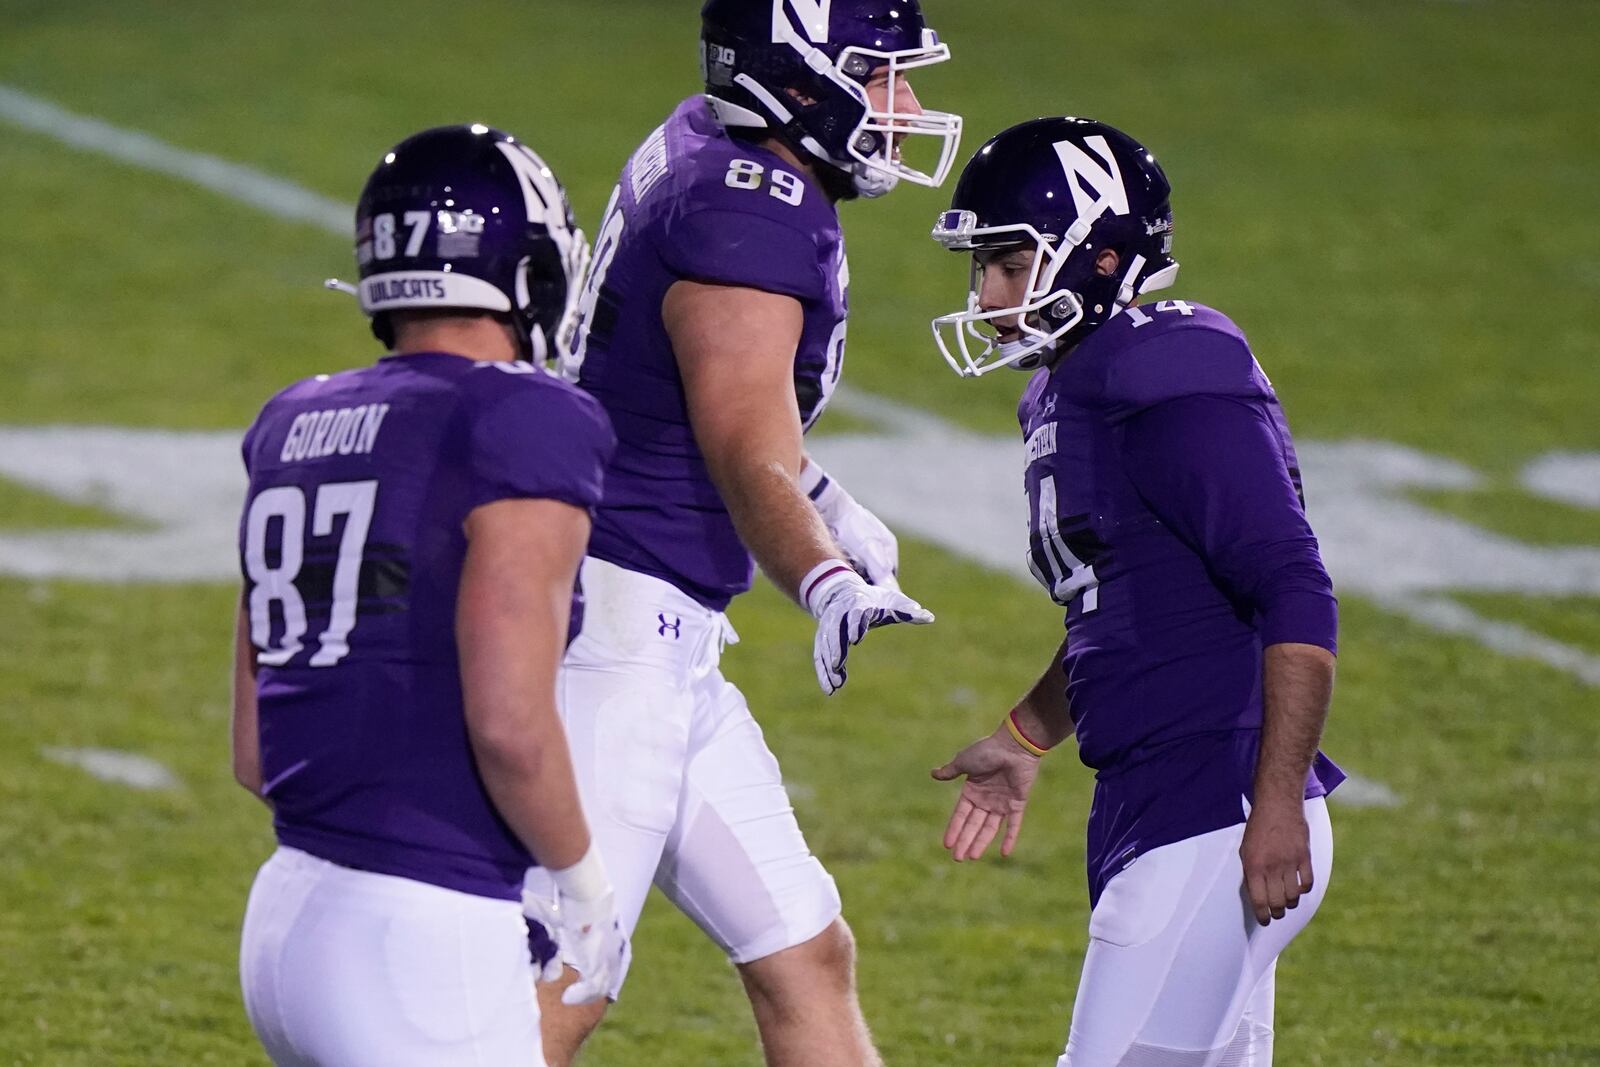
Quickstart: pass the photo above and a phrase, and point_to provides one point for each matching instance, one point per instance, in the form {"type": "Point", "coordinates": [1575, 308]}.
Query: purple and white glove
{"type": "Point", "coordinates": [869, 546]}
{"type": "Point", "coordinates": [582, 920]}
{"type": "Point", "coordinates": [845, 608]}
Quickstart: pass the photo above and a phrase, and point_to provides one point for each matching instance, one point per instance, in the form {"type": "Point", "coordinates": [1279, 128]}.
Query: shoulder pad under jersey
{"type": "Point", "coordinates": [738, 215]}
{"type": "Point", "coordinates": [1170, 354]}
{"type": "Point", "coordinates": [532, 434]}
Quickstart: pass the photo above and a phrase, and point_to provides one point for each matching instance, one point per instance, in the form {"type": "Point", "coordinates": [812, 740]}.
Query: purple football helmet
{"type": "Point", "coordinates": [1068, 189]}
{"type": "Point", "coordinates": [800, 67]}
{"type": "Point", "coordinates": [470, 217]}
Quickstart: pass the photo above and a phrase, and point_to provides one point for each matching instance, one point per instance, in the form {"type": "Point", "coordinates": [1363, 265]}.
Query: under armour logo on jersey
{"type": "Point", "coordinates": [811, 14]}
{"type": "Point", "coordinates": [1105, 190]}
{"type": "Point", "coordinates": [676, 622]}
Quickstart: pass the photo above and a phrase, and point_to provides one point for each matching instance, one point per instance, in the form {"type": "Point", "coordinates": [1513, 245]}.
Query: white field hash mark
{"type": "Point", "coordinates": [114, 765]}
{"type": "Point", "coordinates": [1359, 792]}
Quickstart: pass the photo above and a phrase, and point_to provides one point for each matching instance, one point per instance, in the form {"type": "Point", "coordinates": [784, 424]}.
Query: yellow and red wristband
{"type": "Point", "coordinates": [1021, 738]}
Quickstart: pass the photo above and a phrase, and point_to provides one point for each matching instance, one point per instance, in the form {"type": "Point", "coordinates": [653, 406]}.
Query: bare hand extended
{"type": "Point", "coordinates": [1276, 853]}
{"type": "Point", "coordinates": [1000, 774]}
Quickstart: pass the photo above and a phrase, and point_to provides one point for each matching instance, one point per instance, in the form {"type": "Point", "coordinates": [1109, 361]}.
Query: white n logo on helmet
{"type": "Point", "coordinates": [811, 14]}
{"type": "Point", "coordinates": [539, 190]}
{"type": "Point", "coordinates": [1106, 180]}
{"type": "Point", "coordinates": [540, 193]}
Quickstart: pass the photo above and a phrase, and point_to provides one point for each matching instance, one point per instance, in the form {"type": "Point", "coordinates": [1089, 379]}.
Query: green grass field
{"type": "Point", "coordinates": [1393, 198]}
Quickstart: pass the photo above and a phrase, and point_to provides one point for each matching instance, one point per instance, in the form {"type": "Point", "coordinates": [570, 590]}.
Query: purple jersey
{"type": "Point", "coordinates": [352, 545]}
{"type": "Point", "coordinates": [1165, 514]}
{"type": "Point", "coordinates": [695, 204]}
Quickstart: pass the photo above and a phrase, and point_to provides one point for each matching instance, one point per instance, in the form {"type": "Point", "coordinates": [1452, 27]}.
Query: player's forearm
{"type": "Point", "coordinates": [735, 349]}
{"type": "Point", "coordinates": [246, 732]}
{"type": "Point", "coordinates": [776, 521]}
{"type": "Point", "coordinates": [1297, 687]}
{"type": "Point", "coordinates": [530, 781]}
{"type": "Point", "coordinates": [508, 673]}
{"type": "Point", "coordinates": [512, 613]}
{"type": "Point", "coordinates": [1042, 713]}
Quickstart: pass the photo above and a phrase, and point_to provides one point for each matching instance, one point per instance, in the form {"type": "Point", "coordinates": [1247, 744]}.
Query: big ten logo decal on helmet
{"type": "Point", "coordinates": [717, 62]}
{"type": "Point", "coordinates": [1105, 179]}
{"type": "Point", "coordinates": [460, 235]}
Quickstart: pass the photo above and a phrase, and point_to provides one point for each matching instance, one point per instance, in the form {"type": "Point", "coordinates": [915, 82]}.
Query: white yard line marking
{"type": "Point", "coordinates": [113, 765]}
{"type": "Point", "coordinates": [277, 197]}
{"type": "Point", "coordinates": [1448, 616]}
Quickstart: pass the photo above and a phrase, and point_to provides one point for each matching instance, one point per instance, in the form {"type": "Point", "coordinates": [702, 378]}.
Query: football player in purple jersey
{"type": "Point", "coordinates": [1166, 516]}
{"type": "Point", "coordinates": [410, 545]}
{"type": "Point", "coordinates": [712, 331]}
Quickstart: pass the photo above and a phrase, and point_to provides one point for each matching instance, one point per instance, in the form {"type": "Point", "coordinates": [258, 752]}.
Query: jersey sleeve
{"type": "Point", "coordinates": [1214, 470]}
{"type": "Point", "coordinates": [539, 440]}
{"type": "Point", "coordinates": [1178, 363]}
{"type": "Point", "coordinates": [732, 247]}
{"type": "Point", "coordinates": [251, 444]}
{"type": "Point", "coordinates": [248, 443]}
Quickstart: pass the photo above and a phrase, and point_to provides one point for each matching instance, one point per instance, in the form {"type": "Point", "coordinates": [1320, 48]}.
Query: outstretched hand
{"type": "Point", "coordinates": [999, 775]}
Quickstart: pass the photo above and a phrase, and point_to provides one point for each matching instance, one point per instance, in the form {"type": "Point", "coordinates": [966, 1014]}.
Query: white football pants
{"type": "Point", "coordinates": [346, 968]}
{"type": "Point", "coordinates": [678, 784]}
{"type": "Point", "coordinates": [1178, 972]}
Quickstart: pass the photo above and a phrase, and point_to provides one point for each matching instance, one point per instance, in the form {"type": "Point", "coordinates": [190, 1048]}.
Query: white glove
{"type": "Point", "coordinates": [845, 608]}
{"type": "Point", "coordinates": [869, 546]}
{"type": "Point", "coordinates": [541, 910]}
{"type": "Point", "coordinates": [582, 920]}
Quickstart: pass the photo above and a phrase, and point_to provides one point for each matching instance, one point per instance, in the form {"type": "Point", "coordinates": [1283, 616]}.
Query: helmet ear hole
{"type": "Point", "coordinates": [383, 329]}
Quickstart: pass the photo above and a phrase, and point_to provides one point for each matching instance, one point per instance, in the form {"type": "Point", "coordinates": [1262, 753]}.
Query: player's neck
{"type": "Point", "coordinates": [1055, 357]}
{"type": "Point", "coordinates": [804, 164]}
{"type": "Point", "coordinates": [477, 338]}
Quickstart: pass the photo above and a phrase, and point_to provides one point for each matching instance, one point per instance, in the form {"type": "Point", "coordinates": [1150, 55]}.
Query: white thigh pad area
{"type": "Point", "coordinates": [1178, 972]}
{"type": "Point", "coordinates": [677, 781]}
